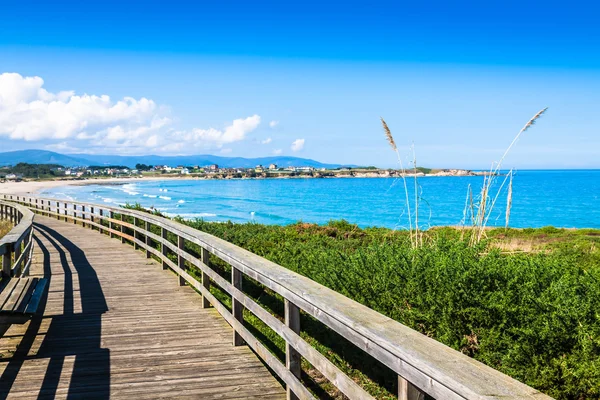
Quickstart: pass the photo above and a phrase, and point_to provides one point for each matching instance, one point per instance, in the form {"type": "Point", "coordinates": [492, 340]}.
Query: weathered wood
{"type": "Point", "coordinates": [7, 290]}
{"type": "Point", "coordinates": [205, 258]}
{"type": "Point", "coordinates": [111, 215]}
{"type": "Point", "coordinates": [330, 371]}
{"type": "Point", "coordinates": [408, 391]}
{"type": "Point", "coordinates": [122, 217]}
{"type": "Point", "coordinates": [34, 302]}
{"type": "Point", "coordinates": [6, 262]}
{"type": "Point", "coordinates": [138, 345]}
{"type": "Point", "coordinates": [180, 259]}
{"type": "Point", "coordinates": [236, 307]}
{"type": "Point", "coordinates": [164, 248]}
{"type": "Point", "coordinates": [148, 241]}
{"type": "Point", "coordinates": [292, 357]}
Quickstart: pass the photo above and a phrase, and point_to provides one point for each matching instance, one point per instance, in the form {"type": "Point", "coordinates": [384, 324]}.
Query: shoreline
{"type": "Point", "coordinates": [30, 187]}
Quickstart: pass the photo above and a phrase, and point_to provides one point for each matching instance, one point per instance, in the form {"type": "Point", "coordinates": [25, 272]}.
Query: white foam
{"type": "Point", "coordinates": [164, 197]}
{"type": "Point", "coordinates": [181, 201]}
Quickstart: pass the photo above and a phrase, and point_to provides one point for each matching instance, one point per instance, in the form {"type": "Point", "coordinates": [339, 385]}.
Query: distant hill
{"type": "Point", "coordinates": [78, 160]}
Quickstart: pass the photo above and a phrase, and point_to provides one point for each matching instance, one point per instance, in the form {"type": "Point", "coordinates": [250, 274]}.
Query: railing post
{"type": "Point", "coordinates": [92, 219]}
{"type": "Point", "coordinates": [408, 391]}
{"type": "Point", "coordinates": [111, 215]}
{"type": "Point", "coordinates": [292, 357]}
{"type": "Point", "coordinates": [83, 216]}
{"type": "Point", "coordinates": [74, 214]}
{"type": "Point", "coordinates": [205, 257]}
{"type": "Point", "coordinates": [135, 233]}
{"type": "Point", "coordinates": [7, 262]}
{"type": "Point", "coordinates": [17, 253]}
{"type": "Point", "coordinates": [237, 309]}
{"type": "Point", "coordinates": [66, 212]}
{"type": "Point", "coordinates": [147, 228]}
{"type": "Point", "coordinates": [101, 220]}
{"type": "Point", "coordinates": [180, 259]}
{"type": "Point", "coordinates": [163, 247]}
{"type": "Point", "coordinates": [122, 238]}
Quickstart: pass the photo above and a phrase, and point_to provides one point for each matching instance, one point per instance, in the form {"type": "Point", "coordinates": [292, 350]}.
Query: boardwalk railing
{"type": "Point", "coordinates": [423, 365]}
{"type": "Point", "coordinates": [16, 247]}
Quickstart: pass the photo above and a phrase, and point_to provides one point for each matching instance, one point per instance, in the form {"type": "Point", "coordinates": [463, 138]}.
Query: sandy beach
{"type": "Point", "coordinates": [32, 187]}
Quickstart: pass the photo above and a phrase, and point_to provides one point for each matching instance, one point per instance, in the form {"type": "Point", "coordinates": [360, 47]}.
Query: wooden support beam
{"type": "Point", "coordinates": [237, 309]}
{"type": "Point", "coordinates": [292, 357]}
{"type": "Point", "coordinates": [111, 215]}
{"type": "Point", "coordinates": [180, 259]}
{"type": "Point", "coordinates": [122, 228]}
{"type": "Point", "coordinates": [6, 263]}
{"type": "Point", "coordinates": [163, 248]}
{"type": "Point", "coordinates": [408, 391]}
{"type": "Point", "coordinates": [148, 240]}
{"type": "Point", "coordinates": [205, 255]}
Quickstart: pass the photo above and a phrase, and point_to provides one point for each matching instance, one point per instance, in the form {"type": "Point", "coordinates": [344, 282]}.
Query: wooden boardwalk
{"type": "Point", "coordinates": [116, 325]}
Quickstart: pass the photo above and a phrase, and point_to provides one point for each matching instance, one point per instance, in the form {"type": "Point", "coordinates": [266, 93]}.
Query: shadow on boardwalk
{"type": "Point", "coordinates": [69, 334]}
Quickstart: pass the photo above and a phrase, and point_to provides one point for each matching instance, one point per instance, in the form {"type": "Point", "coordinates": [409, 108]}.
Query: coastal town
{"type": "Point", "coordinates": [53, 171]}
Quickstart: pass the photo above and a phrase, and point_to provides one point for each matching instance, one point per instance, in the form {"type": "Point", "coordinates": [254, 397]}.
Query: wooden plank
{"type": "Point", "coordinates": [153, 349]}
{"type": "Point", "coordinates": [34, 302]}
{"type": "Point", "coordinates": [7, 290]}
{"type": "Point", "coordinates": [13, 299]}
{"type": "Point", "coordinates": [26, 297]}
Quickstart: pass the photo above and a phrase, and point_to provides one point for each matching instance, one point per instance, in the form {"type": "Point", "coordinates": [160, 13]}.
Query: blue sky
{"type": "Point", "coordinates": [308, 79]}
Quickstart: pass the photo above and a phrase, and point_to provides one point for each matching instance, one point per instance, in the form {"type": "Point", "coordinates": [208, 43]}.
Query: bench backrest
{"type": "Point", "coordinates": [16, 246]}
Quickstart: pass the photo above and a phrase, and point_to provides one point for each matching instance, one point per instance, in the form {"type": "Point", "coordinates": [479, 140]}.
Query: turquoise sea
{"type": "Point", "coordinates": [540, 198]}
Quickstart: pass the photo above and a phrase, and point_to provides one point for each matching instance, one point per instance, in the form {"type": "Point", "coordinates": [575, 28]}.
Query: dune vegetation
{"type": "Point", "coordinates": [5, 227]}
{"type": "Point", "coordinates": [524, 302]}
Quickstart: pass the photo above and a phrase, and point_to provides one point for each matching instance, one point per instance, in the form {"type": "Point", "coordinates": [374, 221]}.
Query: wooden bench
{"type": "Point", "coordinates": [20, 297]}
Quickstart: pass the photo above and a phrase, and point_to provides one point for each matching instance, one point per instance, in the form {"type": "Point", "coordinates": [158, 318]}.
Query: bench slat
{"type": "Point", "coordinates": [7, 291]}
{"type": "Point", "coordinates": [34, 302]}
{"type": "Point", "coordinates": [16, 294]}
{"type": "Point", "coordinates": [25, 298]}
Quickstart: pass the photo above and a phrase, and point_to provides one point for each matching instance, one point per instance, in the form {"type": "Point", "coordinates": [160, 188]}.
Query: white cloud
{"type": "Point", "coordinates": [277, 152]}
{"type": "Point", "coordinates": [235, 132]}
{"type": "Point", "coordinates": [97, 123]}
{"type": "Point", "coordinates": [297, 145]}
{"type": "Point", "coordinates": [267, 141]}
{"type": "Point", "coordinates": [273, 123]}
{"type": "Point", "coordinates": [29, 112]}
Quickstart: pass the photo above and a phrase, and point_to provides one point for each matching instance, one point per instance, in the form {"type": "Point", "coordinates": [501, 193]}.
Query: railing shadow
{"type": "Point", "coordinates": [69, 334]}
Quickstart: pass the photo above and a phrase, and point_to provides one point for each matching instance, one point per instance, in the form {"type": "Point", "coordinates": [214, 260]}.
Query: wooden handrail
{"type": "Point", "coordinates": [423, 365]}
{"type": "Point", "coordinates": [17, 243]}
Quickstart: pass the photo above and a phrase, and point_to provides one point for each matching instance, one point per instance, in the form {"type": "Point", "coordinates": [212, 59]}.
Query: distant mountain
{"type": "Point", "coordinates": [78, 160]}
{"type": "Point", "coordinates": [40, 157]}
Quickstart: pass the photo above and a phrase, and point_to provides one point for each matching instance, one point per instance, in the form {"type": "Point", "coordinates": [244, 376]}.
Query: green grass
{"type": "Point", "coordinates": [533, 314]}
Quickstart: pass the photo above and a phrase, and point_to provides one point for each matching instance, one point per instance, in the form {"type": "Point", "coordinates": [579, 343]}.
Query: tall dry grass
{"type": "Point", "coordinates": [487, 199]}
{"type": "Point", "coordinates": [477, 211]}
{"type": "Point", "coordinates": [413, 231]}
